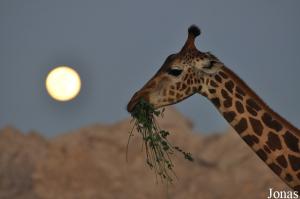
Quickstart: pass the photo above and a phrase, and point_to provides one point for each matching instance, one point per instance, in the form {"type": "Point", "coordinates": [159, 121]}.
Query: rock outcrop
{"type": "Point", "coordinates": [90, 163]}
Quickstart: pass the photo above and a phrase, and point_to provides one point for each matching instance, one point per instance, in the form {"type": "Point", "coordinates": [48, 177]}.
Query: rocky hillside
{"type": "Point", "coordinates": [90, 163]}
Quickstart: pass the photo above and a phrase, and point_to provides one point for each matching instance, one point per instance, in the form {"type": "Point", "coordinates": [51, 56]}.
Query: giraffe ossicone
{"type": "Point", "coordinates": [190, 71]}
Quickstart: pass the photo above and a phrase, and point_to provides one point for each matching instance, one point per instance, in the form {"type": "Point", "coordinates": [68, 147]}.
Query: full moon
{"type": "Point", "coordinates": [63, 83]}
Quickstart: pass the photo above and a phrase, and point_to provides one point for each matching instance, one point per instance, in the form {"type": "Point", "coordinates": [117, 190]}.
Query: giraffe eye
{"type": "Point", "coordinates": [175, 72]}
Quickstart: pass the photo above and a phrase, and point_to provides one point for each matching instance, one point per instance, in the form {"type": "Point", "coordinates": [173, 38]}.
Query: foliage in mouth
{"type": "Point", "coordinates": [155, 141]}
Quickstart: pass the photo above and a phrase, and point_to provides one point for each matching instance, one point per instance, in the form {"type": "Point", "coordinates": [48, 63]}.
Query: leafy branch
{"type": "Point", "coordinates": [158, 148]}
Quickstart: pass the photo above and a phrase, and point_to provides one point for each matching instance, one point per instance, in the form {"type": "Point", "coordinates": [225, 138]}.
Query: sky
{"type": "Point", "coordinates": [116, 46]}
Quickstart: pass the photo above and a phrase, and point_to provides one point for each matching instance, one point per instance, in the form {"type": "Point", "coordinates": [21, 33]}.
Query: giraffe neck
{"type": "Point", "coordinates": [270, 136]}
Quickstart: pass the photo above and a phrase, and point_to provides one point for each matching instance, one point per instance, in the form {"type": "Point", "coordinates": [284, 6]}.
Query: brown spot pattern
{"type": "Point", "coordinates": [183, 87]}
{"type": "Point", "coordinates": [240, 91]}
{"type": "Point", "coordinates": [262, 154]}
{"type": "Point", "coordinates": [218, 78]}
{"type": "Point", "coordinates": [241, 126]}
{"type": "Point", "coordinates": [224, 93]}
{"type": "Point", "coordinates": [256, 126]}
{"type": "Point", "coordinates": [273, 141]}
{"type": "Point", "coordinates": [223, 75]}
{"type": "Point", "coordinates": [195, 89]}
{"type": "Point", "coordinates": [213, 83]}
{"type": "Point", "coordinates": [239, 96]}
{"type": "Point", "coordinates": [187, 91]}
{"type": "Point", "coordinates": [288, 177]}
{"type": "Point", "coordinates": [251, 139]}
{"type": "Point", "coordinates": [170, 99]}
{"type": "Point", "coordinates": [228, 100]}
{"type": "Point", "coordinates": [282, 161]}
{"type": "Point", "coordinates": [295, 162]}
{"type": "Point", "coordinates": [212, 91]}
{"type": "Point", "coordinates": [216, 102]}
{"type": "Point", "coordinates": [185, 77]}
{"type": "Point", "coordinates": [207, 81]}
{"type": "Point", "coordinates": [270, 122]}
{"type": "Point", "coordinates": [178, 95]}
{"type": "Point", "coordinates": [291, 141]}
{"type": "Point", "coordinates": [239, 107]}
{"type": "Point", "coordinates": [229, 86]}
{"type": "Point", "coordinates": [229, 116]}
{"type": "Point", "coordinates": [275, 168]}
{"type": "Point", "coordinates": [251, 110]}
{"type": "Point", "coordinates": [250, 102]}
{"type": "Point", "coordinates": [267, 149]}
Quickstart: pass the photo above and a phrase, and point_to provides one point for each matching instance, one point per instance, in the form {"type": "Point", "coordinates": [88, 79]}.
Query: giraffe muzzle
{"type": "Point", "coordinates": [135, 99]}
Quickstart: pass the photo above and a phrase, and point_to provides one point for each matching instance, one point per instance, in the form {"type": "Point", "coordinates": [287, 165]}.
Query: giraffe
{"type": "Point", "coordinates": [190, 71]}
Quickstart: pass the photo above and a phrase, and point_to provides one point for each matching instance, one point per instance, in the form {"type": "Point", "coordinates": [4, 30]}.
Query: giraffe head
{"type": "Point", "coordinates": [181, 75]}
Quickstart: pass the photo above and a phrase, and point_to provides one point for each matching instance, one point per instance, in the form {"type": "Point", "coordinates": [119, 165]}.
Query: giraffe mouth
{"type": "Point", "coordinates": [135, 99]}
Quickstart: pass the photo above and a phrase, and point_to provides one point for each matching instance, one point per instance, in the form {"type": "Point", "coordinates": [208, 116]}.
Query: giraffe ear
{"type": "Point", "coordinates": [193, 32]}
{"type": "Point", "coordinates": [208, 66]}
{"type": "Point", "coordinates": [212, 67]}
